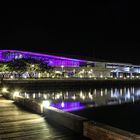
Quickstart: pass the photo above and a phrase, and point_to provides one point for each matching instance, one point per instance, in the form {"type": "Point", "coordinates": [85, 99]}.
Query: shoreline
{"type": "Point", "coordinates": [72, 82]}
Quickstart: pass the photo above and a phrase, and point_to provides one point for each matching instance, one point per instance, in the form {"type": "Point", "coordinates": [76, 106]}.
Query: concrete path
{"type": "Point", "coordinates": [18, 124]}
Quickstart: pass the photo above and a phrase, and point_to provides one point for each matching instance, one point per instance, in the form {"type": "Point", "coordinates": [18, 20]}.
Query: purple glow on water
{"type": "Point", "coordinates": [54, 61]}
{"type": "Point", "coordinates": [69, 106]}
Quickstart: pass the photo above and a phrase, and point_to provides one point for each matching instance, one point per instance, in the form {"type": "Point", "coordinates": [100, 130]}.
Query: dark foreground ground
{"type": "Point", "coordinates": [126, 116]}
{"type": "Point", "coordinates": [18, 124]}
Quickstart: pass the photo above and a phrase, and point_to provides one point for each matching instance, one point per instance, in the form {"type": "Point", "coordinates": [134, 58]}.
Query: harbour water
{"type": "Point", "coordinates": [69, 98]}
{"type": "Point", "coordinates": [118, 107]}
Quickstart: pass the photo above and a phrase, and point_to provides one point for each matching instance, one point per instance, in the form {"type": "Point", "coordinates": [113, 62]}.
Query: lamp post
{"type": "Point", "coordinates": [62, 68]}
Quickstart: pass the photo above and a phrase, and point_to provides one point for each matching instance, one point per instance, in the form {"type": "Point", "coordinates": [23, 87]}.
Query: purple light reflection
{"type": "Point", "coordinates": [69, 106]}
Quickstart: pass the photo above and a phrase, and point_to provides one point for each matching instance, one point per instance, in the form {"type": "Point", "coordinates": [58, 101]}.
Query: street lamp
{"type": "Point", "coordinates": [62, 66]}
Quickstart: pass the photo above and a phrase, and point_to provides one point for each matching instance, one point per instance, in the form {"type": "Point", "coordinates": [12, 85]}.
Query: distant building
{"type": "Point", "coordinates": [94, 68]}
{"type": "Point", "coordinates": [54, 61]}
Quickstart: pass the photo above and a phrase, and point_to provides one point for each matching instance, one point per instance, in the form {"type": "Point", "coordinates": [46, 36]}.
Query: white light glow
{"type": "Point", "coordinates": [83, 97]}
{"type": "Point", "coordinates": [73, 97]}
{"type": "Point", "coordinates": [24, 76]}
{"type": "Point", "coordinates": [67, 76]}
{"type": "Point", "coordinates": [46, 103]}
{"type": "Point", "coordinates": [39, 75]}
{"type": "Point", "coordinates": [62, 104]}
{"type": "Point", "coordinates": [27, 96]}
{"type": "Point", "coordinates": [11, 76]}
{"type": "Point", "coordinates": [45, 96]}
{"type": "Point", "coordinates": [57, 96]}
{"type": "Point", "coordinates": [101, 76]}
{"type": "Point", "coordinates": [127, 95]}
{"type": "Point", "coordinates": [90, 96]}
{"type": "Point", "coordinates": [39, 95]}
{"type": "Point", "coordinates": [4, 90]}
{"type": "Point", "coordinates": [34, 95]}
{"type": "Point", "coordinates": [81, 93]}
{"type": "Point", "coordinates": [106, 91]}
{"type": "Point", "coordinates": [101, 93]}
{"type": "Point", "coordinates": [16, 93]}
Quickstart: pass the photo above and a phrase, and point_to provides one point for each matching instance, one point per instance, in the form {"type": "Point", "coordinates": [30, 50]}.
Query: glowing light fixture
{"type": "Point", "coordinates": [46, 103]}
{"type": "Point", "coordinates": [67, 76]}
{"type": "Point", "coordinates": [4, 90]}
{"type": "Point", "coordinates": [101, 76]}
{"type": "Point", "coordinates": [16, 93]}
{"type": "Point", "coordinates": [62, 105]}
{"type": "Point", "coordinates": [11, 76]}
{"type": "Point", "coordinates": [62, 66]}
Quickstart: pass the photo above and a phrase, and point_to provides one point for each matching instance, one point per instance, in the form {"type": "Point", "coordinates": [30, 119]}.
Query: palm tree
{"type": "Point", "coordinates": [19, 66]}
{"type": "Point", "coordinates": [32, 66]}
{"type": "Point", "coordinates": [3, 69]}
{"type": "Point", "coordinates": [36, 66]}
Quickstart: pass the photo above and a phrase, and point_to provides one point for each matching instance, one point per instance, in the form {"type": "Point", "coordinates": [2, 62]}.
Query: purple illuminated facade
{"type": "Point", "coordinates": [54, 61]}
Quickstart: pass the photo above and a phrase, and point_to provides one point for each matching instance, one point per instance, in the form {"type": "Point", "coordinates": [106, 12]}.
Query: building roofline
{"type": "Point", "coordinates": [84, 59]}
{"type": "Point", "coordinates": [47, 55]}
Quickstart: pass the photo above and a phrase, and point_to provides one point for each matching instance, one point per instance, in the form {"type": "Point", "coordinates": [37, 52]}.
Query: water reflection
{"type": "Point", "coordinates": [69, 106]}
{"type": "Point", "coordinates": [79, 99]}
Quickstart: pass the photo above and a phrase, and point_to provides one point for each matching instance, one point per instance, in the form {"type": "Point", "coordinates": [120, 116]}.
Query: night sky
{"type": "Point", "coordinates": [104, 30]}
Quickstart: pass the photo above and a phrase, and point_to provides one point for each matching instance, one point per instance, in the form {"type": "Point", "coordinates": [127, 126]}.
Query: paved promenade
{"type": "Point", "coordinates": [18, 124]}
